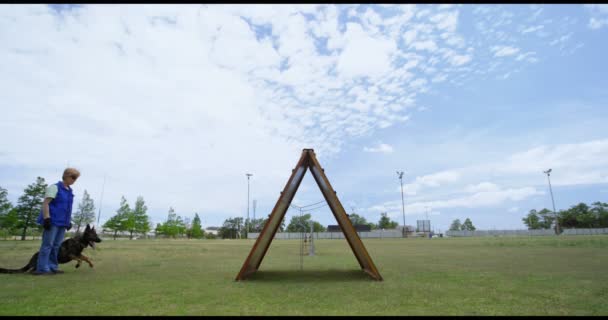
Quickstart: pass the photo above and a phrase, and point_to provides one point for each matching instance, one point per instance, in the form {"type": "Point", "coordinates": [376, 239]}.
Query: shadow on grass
{"type": "Point", "coordinates": [309, 276]}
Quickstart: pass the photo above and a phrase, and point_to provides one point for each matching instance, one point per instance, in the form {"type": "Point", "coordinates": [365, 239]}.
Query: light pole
{"type": "Point", "coordinates": [101, 199]}
{"type": "Point", "coordinates": [548, 172]}
{"type": "Point", "coordinates": [427, 217]}
{"type": "Point", "coordinates": [400, 173]}
{"type": "Point", "coordinates": [247, 224]}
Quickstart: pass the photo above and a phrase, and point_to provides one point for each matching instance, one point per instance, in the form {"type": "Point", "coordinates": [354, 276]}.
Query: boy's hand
{"type": "Point", "coordinates": [47, 224]}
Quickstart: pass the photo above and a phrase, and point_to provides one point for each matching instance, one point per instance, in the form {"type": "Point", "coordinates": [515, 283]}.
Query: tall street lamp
{"type": "Point", "coordinates": [548, 172]}
{"type": "Point", "coordinates": [247, 226]}
{"type": "Point", "coordinates": [400, 173]}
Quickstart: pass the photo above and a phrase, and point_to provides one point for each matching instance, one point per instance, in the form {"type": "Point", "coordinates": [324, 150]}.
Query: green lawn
{"type": "Point", "coordinates": [565, 275]}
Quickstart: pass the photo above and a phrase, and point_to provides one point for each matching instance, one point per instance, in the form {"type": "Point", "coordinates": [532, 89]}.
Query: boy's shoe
{"type": "Point", "coordinates": [57, 271]}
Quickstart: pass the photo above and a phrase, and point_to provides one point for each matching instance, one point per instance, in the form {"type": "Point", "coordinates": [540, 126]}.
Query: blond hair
{"type": "Point", "coordinates": [71, 172]}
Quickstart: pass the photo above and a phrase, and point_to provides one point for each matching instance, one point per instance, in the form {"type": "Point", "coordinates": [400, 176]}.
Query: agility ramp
{"type": "Point", "coordinates": [308, 160]}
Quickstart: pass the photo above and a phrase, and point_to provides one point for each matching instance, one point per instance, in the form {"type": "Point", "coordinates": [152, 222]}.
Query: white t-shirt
{"type": "Point", "coordinates": [51, 191]}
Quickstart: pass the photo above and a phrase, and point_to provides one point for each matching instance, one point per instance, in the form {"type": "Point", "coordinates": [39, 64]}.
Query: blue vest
{"type": "Point", "coordinates": [60, 208]}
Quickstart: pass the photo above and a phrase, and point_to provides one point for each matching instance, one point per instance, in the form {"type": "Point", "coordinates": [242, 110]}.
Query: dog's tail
{"type": "Point", "coordinates": [22, 270]}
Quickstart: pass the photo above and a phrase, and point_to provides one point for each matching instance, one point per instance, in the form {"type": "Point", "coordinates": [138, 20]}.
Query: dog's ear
{"type": "Point", "coordinates": [88, 227]}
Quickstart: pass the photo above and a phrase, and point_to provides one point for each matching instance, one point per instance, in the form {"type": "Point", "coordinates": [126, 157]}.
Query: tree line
{"type": "Point", "coordinates": [577, 216]}
{"type": "Point", "coordinates": [21, 218]}
{"type": "Point", "coordinates": [233, 228]}
{"type": "Point", "coordinates": [467, 225]}
{"type": "Point", "coordinates": [135, 221]}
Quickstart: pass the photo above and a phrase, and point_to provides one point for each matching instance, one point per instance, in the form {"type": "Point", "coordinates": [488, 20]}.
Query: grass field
{"type": "Point", "coordinates": [446, 276]}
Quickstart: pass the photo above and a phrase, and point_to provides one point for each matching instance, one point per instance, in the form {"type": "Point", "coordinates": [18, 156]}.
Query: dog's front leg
{"type": "Point", "coordinates": [73, 257]}
{"type": "Point", "coordinates": [85, 258]}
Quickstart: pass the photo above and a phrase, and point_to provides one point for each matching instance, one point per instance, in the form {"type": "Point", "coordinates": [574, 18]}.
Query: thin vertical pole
{"type": "Point", "coordinates": [247, 223]}
{"type": "Point", "coordinates": [553, 202]}
{"type": "Point", "coordinates": [101, 199]}
{"type": "Point", "coordinates": [402, 202]}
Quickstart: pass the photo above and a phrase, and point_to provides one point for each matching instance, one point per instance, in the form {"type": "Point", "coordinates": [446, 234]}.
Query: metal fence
{"type": "Point", "coordinates": [333, 235]}
{"type": "Point", "coordinates": [541, 232]}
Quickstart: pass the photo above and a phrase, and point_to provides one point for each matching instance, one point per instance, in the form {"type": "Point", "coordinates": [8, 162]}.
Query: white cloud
{"type": "Point", "coordinates": [572, 164]}
{"type": "Point", "coordinates": [409, 36]}
{"type": "Point", "coordinates": [488, 198]}
{"type": "Point", "coordinates": [504, 51]}
{"type": "Point", "coordinates": [446, 20]}
{"type": "Point", "coordinates": [428, 45]}
{"type": "Point", "coordinates": [513, 209]}
{"type": "Point", "coordinates": [359, 47]}
{"type": "Point", "coordinates": [431, 180]}
{"type": "Point", "coordinates": [528, 56]}
{"type": "Point", "coordinates": [147, 93]}
{"type": "Point", "coordinates": [561, 40]}
{"type": "Point", "coordinates": [439, 78]}
{"type": "Point", "coordinates": [482, 199]}
{"type": "Point", "coordinates": [599, 15]}
{"type": "Point", "coordinates": [532, 29]}
{"type": "Point", "coordinates": [580, 163]}
{"type": "Point", "coordinates": [482, 187]}
{"type": "Point", "coordinates": [458, 60]}
{"type": "Point", "coordinates": [382, 148]}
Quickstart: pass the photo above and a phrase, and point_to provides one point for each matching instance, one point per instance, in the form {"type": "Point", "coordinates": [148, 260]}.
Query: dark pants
{"type": "Point", "coordinates": [49, 250]}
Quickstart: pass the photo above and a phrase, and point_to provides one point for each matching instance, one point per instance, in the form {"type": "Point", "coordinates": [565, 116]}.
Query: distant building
{"type": "Point", "coordinates": [211, 230]}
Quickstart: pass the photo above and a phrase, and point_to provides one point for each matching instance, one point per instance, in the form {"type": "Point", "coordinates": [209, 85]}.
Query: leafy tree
{"type": "Point", "coordinates": [196, 231]}
{"type": "Point", "coordinates": [30, 204]}
{"type": "Point", "coordinates": [547, 217]}
{"type": "Point", "coordinates": [188, 224]}
{"type": "Point", "coordinates": [5, 208]}
{"type": "Point", "coordinates": [467, 225]}
{"type": "Point", "coordinates": [577, 216]}
{"type": "Point", "coordinates": [456, 225]}
{"type": "Point", "coordinates": [257, 224]}
{"type": "Point", "coordinates": [532, 220]}
{"type": "Point", "coordinates": [174, 226]}
{"type": "Point", "coordinates": [138, 221]}
{"type": "Point", "coordinates": [385, 222]}
{"type": "Point", "coordinates": [600, 210]}
{"type": "Point", "coordinates": [85, 213]}
{"type": "Point", "coordinates": [5, 204]}
{"type": "Point", "coordinates": [302, 224]}
{"type": "Point", "coordinates": [317, 227]}
{"type": "Point", "coordinates": [113, 224]}
{"type": "Point", "coordinates": [120, 221]}
{"type": "Point", "coordinates": [11, 221]}
{"type": "Point", "coordinates": [570, 218]}
{"type": "Point", "coordinates": [357, 219]}
{"type": "Point", "coordinates": [230, 228]}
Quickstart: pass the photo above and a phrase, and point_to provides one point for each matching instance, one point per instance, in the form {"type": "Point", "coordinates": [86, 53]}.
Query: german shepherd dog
{"type": "Point", "coordinates": [71, 249]}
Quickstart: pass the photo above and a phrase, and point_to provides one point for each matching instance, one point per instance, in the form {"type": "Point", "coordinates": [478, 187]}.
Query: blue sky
{"type": "Point", "coordinates": [176, 103]}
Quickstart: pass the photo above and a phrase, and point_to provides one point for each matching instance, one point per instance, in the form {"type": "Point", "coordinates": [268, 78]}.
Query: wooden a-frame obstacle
{"type": "Point", "coordinates": [307, 160]}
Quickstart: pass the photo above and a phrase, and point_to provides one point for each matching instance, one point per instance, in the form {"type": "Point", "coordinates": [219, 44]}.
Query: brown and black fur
{"type": "Point", "coordinates": [71, 249]}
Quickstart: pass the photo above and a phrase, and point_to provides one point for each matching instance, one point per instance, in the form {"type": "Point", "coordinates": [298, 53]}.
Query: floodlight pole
{"type": "Point", "coordinates": [427, 218]}
{"type": "Point", "coordinates": [400, 173]}
{"type": "Point", "coordinates": [247, 223]}
{"type": "Point", "coordinates": [548, 172]}
{"type": "Point", "coordinates": [101, 199]}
